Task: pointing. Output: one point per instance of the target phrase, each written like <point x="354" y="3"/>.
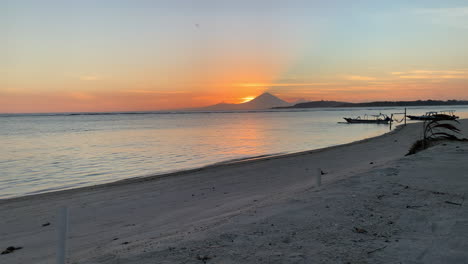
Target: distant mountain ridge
<point x="317" y="104"/>
<point x="264" y="101"/>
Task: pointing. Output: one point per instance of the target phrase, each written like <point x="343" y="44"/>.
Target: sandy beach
<point x="375" y="205"/>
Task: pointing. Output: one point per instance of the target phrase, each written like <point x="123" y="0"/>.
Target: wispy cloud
<point x="154" y="92"/>
<point x="432" y="74"/>
<point x="359" y="78"/>
<point x="429" y="76"/>
<point x="285" y="84"/>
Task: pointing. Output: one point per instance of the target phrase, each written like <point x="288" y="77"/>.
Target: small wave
<point x="249" y="158"/>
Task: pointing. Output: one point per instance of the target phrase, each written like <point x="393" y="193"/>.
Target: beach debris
<point x="377" y="249"/>
<point x="115" y="238"/>
<point x="10" y="249"/>
<point x="413" y="206"/>
<point x="360" y="230"/>
<point x="371" y="162"/>
<point x="46" y="224"/>
<point x="125" y="243"/>
<point x="449" y="202"/>
<point x="322" y="172"/>
<point x="204" y="258"/>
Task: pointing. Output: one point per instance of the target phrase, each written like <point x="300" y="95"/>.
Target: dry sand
<point x="375" y="206"/>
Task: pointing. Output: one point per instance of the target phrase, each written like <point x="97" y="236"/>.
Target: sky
<point x="82" y="56"/>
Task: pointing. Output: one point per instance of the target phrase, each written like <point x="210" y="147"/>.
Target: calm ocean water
<point x="43" y="153"/>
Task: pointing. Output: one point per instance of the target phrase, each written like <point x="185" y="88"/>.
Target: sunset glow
<point x="132" y="56"/>
<point x="247" y="99"/>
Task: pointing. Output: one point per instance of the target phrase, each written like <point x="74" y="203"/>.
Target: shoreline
<point x="177" y="173"/>
<point x="375" y="205"/>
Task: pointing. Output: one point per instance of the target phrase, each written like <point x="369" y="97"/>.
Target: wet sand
<point x="375" y="205"/>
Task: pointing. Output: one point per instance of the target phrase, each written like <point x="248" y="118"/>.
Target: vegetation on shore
<point x="435" y="132"/>
<point x="317" y="104"/>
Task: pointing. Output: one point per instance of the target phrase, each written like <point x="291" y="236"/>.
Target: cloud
<point x="284" y="84"/>
<point x="154" y="92"/>
<point x="359" y="78"/>
<point x="432" y="74"/>
<point x="432" y="77"/>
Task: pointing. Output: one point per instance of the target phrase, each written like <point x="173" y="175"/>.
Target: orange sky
<point x="99" y="94"/>
<point x="89" y="56"/>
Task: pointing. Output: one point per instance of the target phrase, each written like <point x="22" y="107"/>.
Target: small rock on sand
<point x="360" y="230"/>
<point x="10" y="249"/>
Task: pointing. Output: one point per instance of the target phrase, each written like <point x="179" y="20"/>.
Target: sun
<point x="247" y="99"/>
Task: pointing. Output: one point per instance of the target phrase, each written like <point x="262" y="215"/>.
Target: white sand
<point x="265" y="211"/>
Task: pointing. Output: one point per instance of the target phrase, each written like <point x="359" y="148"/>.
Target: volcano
<point x="263" y="101"/>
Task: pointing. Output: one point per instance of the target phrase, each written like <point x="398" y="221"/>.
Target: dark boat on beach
<point x="377" y="119"/>
<point x="442" y="115"/>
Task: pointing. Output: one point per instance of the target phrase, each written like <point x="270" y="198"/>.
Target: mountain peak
<point x="268" y="97"/>
<point x="263" y="101"/>
<point x="266" y="94"/>
<point x="266" y="100"/>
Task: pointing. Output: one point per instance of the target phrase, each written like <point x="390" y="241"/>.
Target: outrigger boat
<point x="441" y="115"/>
<point x="377" y="119"/>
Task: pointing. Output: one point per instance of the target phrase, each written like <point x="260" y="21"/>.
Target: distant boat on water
<point x="375" y="119"/>
<point x="441" y="115"/>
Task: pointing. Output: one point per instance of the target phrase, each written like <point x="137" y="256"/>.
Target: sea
<point x="48" y="152"/>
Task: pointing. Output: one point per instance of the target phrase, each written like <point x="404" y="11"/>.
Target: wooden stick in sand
<point x="319" y="177"/>
<point x="62" y="230"/>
